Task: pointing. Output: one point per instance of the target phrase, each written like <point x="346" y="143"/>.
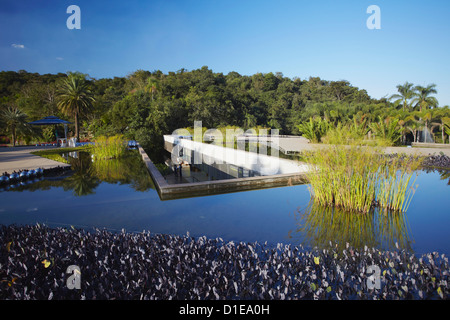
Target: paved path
<point x="292" y="144"/>
<point x="418" y="151"/>
<point x="20" y="158"/>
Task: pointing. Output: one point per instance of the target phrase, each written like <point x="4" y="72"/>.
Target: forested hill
<point x="160" y="103"/>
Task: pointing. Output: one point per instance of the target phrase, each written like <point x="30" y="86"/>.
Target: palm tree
<point x="418" y="122"/>
<point x="15" y="121"/>
<point x="403" y="129"/>
<point x="422" y="99"/>
<point x="445" y="174"/>
<point x="406" y="93"/>
<point x="447" y="131"/>
<point x="444" y="124"/>
<point x="75" y="97"/>
<point x="414" y="127"/>
<point x="413" y="123"/>
<point x="387" y="129"/>
<point x="315" y="129"/>
<point x="84" y="181"/>
<point x="426" y="117"/>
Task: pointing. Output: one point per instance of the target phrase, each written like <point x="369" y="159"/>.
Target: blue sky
<point x="324" y="38"/>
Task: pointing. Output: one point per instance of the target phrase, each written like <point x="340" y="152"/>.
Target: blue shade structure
<point x="52" y="120"/>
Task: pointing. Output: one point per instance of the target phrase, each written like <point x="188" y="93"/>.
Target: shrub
<point x="109" y="147"/>
<point x="314" y="129"/>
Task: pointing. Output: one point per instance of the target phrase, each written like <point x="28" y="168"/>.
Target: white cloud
<point x="18" y="46"/>
<point x="59" y="58"/>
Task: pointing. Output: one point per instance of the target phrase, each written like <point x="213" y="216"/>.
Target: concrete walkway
<point x="20" y="158"/>
<point x="415" y="151"/>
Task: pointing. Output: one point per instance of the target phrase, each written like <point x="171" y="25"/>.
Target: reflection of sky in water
<point x="261" y="215"/>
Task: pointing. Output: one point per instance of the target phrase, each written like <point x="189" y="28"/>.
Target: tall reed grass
<point x="109" y="147"/>
<point x="357" y="178"/>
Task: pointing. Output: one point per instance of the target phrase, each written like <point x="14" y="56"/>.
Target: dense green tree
<point x="138" y="80"/>
<point x="270" y="82"/>
<point x="152" y="86"/>
<point x="147" y="104"/>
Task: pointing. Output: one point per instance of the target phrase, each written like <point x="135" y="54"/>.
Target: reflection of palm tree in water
<point x="318" y="226"/>
<point x="88" y="175"/>
<point x="125" y="170"/>
<point x="83" y="181"/>
<point x="445" y="174"/>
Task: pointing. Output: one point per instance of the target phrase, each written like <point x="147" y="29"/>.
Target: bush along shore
<point x="34" y="261"/>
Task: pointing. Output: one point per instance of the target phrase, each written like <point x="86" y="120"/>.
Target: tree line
<point x="145" y="105"/>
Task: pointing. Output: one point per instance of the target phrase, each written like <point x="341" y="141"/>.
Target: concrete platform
<point x="168" y="191"/>
<point x="20" y="158"/>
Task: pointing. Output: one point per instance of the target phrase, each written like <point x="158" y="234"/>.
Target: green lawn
<point x="55" y="154"/>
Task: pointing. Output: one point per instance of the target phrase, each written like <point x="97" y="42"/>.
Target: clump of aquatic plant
<point x="356" y="178"/>
<point x="109" y="147"/>
<point x="394" y="189"/>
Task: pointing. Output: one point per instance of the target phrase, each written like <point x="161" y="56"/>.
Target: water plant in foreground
<point x="357" y="178"/>
<point x="146" y="266"/>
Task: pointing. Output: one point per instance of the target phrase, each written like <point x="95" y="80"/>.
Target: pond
<point x="120" y="194"/>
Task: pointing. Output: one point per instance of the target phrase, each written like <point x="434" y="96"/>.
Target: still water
<point x="120" y="195"/>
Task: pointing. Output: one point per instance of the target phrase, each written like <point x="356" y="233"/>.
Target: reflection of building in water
<point x="225" y="171"/>
<point x="70" y="155"/>
<point x="206" y="172"/>
<point x="206" y="162"/>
